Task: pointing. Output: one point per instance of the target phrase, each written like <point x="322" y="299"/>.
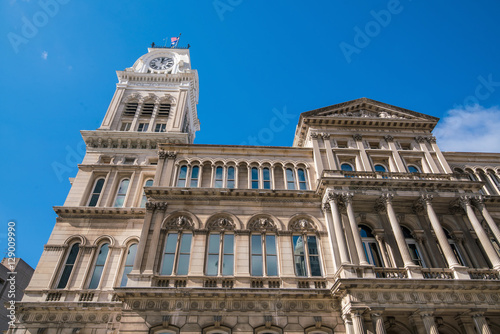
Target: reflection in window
<point x="220" y="254"/>
<point x="219" y="177"/>
<point x="122" y="193"/>
<point x="195" y="174"/>
<point x="94" y="197"/>
<point x="264" y="259"/>
<point x="302" y="179"/>
<point x="144" y="199"/>
<point x="266" y="177"/>
<point x="176" y="254"/>
<point x="306" y="255"/>
<point x="290" y="179"/>
<point x="99" y="266"/>
<point x="181" y="180"/>
<point x="129" y="264"/>
<point x="415" y="252"/>
<point x="370" y="246"/>
<point x="68" y="266"/>
<point x="255" y="178"/>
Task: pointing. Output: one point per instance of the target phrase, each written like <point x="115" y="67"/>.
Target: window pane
<point x="315" y="267"/>
<point x="312" y="246"/>
<point x="346" y="167"/>
<point x="212" y="264"/>
<point x="227" y="265"/>
<point x="256" y="244"/>
<point x="380" y="168"/>
<point x="298" y="245"/>
<point x="93" y="200"/>
<point x="65" y="276"/>
<point x="255" y="173"/>
<point x="218" y="184"/>
<point x="98" y="186"/>
<point x="126" y="271"/>
<point x="266" y="174"/>
<point x="218" y="173"/>
<point x="256" y="265"/>
<point x="255" y="184"/>
<point x="375" y="254"/>
<point x="229" y="244"/>
<point x="413" y="169"/>
<point x="171" y="243"/>
<point x="302" y="175"/>
<point x="73" y="253"/>
<point x="168" y="264"/>
<point x="181" y="183"/>
<point x="230" y="173"/>
<point x="119" y="201"/>
<point x="300" y="265"/>
<point x="149" y="183"/>
<point x="290" y="181"/>
<point x="96" y="277"/>
<point x="267" y="185"/>
<point x="183" y="266"/>
<point x="270" y="245"/>
<point x="230" y="184"/>
<point x="213" y="244"/>
<point x="132" y="250"/>
<point x="103" y="253"/>
<point x="186" y="243"/>
<point x="272" y="265"/>
<point x="123" y="186"/>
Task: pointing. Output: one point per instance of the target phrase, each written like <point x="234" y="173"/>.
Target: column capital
<point x="465" y="200"/>
<point x="382" y="201"/>
<point x="455" y="207"/>
<point x="162" y="154"/>
<point x="357" y="137"/>
<point x="431" y="139"/>
<point x="347" y="197"/>
<point x="150" y="206"/>
<point x="325" y="206"/>
<point x="379" y="237"/>
<point x="420" y="139"/>
<point x="161" y="206"/>
<point x="478" y="201"/>
<point x="314" y="135"/>
<point x="426" y="198"/>
<point x="389" y="138"/>
<point x="325" y="135"/>
<point x="333" y="197"/>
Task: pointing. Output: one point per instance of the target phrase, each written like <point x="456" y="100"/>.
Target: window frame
<point x="367" y="242"/>
<point x="185" y="178"/>
<point x="142" y="127"/>
<point x="347" y="164"/>
<point x="419" y="259"/>
<point x="95" y="265"/>
<point x="125" y="126"/>
<point x="177" y="254"/>
<point x="124" y="272"/>
<point x="418" y="170"/>
<point x="307" y="256"/>
<point x="78" y="244"/>
<point x="264" y="254"/>
<point x="221" y="253"/>
<point x="125" y="195"/>
<point x="93" y="191"/>
<point x="196" y="179"/>
<point x="293" y="178"/>
<point x="254" y="179"/>
<point x="144" y="198"/>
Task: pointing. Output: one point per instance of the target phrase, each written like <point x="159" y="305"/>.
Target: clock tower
<point x="155" y="101"/>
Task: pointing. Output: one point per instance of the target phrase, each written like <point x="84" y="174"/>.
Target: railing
<point x="484" y="274"/>
<point x="434" y="273"/>
<point x="391" y="273"/>
<point x="53" y="297"/>
<point x="86" y="296"/>
<point x="389" y="175"/>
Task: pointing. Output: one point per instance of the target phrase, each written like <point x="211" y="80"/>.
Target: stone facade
<point x="362" y="226"/>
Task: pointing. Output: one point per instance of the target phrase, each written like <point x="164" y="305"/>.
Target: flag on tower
<point x="174" y="41"/>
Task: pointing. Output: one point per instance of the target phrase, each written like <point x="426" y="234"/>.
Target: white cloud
<point x="470" y="129"/>
<point x="45" y="54"/>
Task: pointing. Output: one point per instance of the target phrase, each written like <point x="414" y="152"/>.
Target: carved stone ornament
<point x="221" y="224"/>
<point x="150" y="206"/>
<point x="325" y="135"/>
<point x="455" y="207"/>
<point x="431" y="139"/>
<point x="314" y="135"/>
<point x="420" y="139"/>
<point x="180" y="223"/>
<point x="389" y="138"/>
<point x="162" y="154"/>
<point x="262" y="225"/>
<point x="161" y="206"/>
<point x="302" y="225"/>
<point x="326" y="206"/>
<point x="357" y="137"/>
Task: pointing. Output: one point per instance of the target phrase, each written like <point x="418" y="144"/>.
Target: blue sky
<point x="256" y="59"/>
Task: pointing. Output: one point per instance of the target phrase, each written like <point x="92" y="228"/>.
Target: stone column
<point x="331" y="236"/>
<point x="316" y="154"/>
<point x="159" y="168"/>
<point x="358" y="325"/>
<point x="378" y="322"/>
<point x="347" y="198"/>
<point x="479" y="203"/>
<point x="441" y="236"/>
<point x="348" y="324"/>
<point x="428" y="157"/>
<point x="273" y="179"/>
<point x="386" y="199"/>
<point x="332" y="163"/>
<point x="481" y="324"/>
<point x="465" y="202"/>
<point x="383" y="250"/>
<point x="440" y="156"/>
<point x="395" y="154"/>
<point x="337" y="225"/>
<point x="150" y="207"/>
<point x="419" y="238"/>
<point x="364" y="157"/>
<point x="429" y="323"/>
<point x="465" y="323"/>
<point x="155" y="238"/>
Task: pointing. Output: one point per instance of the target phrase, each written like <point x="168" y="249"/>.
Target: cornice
<point x="96" y="212"/>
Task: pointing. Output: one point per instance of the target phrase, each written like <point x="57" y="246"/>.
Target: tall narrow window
<point x="487" y="183"/>
<point x="143" y="127"/>
<point x="370" y="246"/>
<point x="220" y="254"/>
<point x="130" y="109"/>
<point x="181" y="180"/>
<point x="306" y="255"/>
<point x="415" y="252"/>
<point x="219" y="177"/>
<point x="129" y="264"/>
<point x="122" y="193"/>
<point x="99" y="266"/>
<point x="255" y="178"/>
<point x="454" y="248"/>
<point x="266" y="178"/>
<point x="230" y="177"/>
<point x="144" y="199"/>
<point x="176" y="254"/>
<point x="290" y="179"/>
<point x="68" y="266"/>
<point x="195" y="172"/>
<point x="302" y="179"/>
<point x="264" y="259"/>
<point x="94" y="197"/>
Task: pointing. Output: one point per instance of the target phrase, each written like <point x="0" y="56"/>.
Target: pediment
<point x="367" y="108"/>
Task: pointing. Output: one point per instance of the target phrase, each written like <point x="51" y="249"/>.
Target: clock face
<point x="161" y="63"/>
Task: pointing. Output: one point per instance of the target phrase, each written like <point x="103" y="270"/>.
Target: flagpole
<point x="178" y="39"/>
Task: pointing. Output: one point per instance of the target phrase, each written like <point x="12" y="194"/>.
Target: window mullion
<point x="306" y="255"/>
<point x="177" y="253"/>
<point x="264" y="255"/>
<point x="221" y="254"/>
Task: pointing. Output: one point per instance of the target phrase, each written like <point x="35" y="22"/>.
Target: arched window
<point x="181" y="180"/>
<point x="68" y="266"/>
<point x="219" y="177"/>
<point x="346" y="167"/>
<point x="195" y="174"/>
<point x="454" y="248"/>
<point x="176" y="254"/>
<point x="301" y="174"/>
<point x="96" y="192"/>
<point x="494" y="177"/>
<point x="471" y="174"/>
<point x="144" y="199"/>
<point x="122" y="193"/>
<point x="415" y="252"/>
<point x="220" y="254"/>
<point x="230" y="177"/>
<point x="487" y="183"/>
<point x="370" y="246"/>
<point x="255" y="178"/>
<point x="129" y="264"/>
<point x="264" y="257"/>
<point x="266" y="177"/>
<point x="306" y="255"/>
<point x="413" y="169"/>
<point x="99" y="266"/>
<point x="290" y="179"/>
<point x="380" y="168"/>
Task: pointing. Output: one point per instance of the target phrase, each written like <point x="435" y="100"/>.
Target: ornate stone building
<point x="362" y="226"/>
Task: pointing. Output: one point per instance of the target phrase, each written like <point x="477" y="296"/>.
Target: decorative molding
<point x="357" y="137"/>
<point x="179" y="223"/>
<point x="262" y="224"/>
<point x="302" y="225"/>
<point x="221" y="224"/>
<point x="389" y="138"/>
